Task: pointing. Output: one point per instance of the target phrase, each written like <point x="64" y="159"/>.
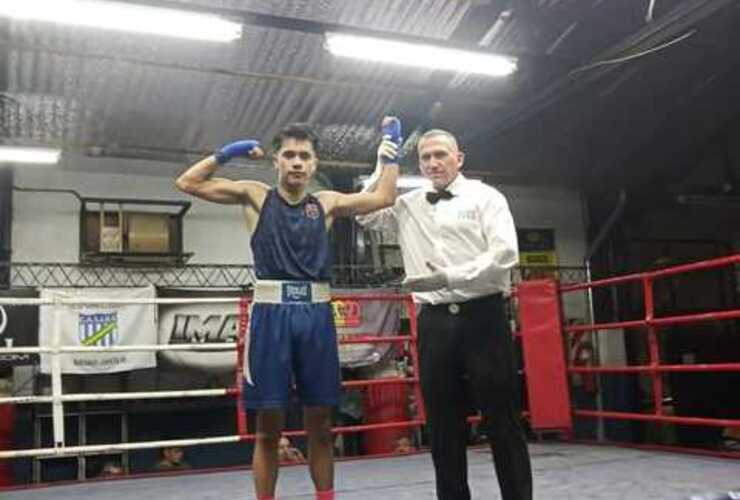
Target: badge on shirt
<point x="311" y="210"/>
<point x="471" y="215"/>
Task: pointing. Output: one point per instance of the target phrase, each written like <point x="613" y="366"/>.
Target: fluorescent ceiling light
<point x="11" y="154"/>
<point x="418" y="55"/>
<point x="124" y="17"/>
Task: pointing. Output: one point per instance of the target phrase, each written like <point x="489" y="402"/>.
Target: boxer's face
<point x="439" y="160"/>
<point x="295" y="162"/>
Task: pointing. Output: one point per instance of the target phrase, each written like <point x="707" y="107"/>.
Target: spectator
<point x="173" y="458"/>
<point x="112" y="469"/>
<point x="403" y="446"/>
<point x="287" y="453"/>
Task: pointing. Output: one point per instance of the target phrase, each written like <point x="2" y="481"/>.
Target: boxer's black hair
<point x="299" y="131"/>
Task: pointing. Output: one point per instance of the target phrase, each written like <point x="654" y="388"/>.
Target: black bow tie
<point x="434" y="196"/>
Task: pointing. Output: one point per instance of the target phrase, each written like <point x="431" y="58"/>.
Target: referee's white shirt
<point x="471" y="236"/>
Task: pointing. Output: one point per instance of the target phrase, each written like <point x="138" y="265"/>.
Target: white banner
<point x="100" y="325"/>
<point x="197" y="324"/>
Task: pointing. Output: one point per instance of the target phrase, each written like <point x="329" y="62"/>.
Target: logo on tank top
<point x="311" y="210"/>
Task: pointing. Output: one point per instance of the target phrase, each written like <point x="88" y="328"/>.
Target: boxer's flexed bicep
<point x="198" y="180"/>
<point x="224" y="191"/>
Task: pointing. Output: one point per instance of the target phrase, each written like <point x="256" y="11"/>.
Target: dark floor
<point x="561" y="471"/>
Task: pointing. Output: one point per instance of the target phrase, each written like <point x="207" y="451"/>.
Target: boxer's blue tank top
<point x="291" y="242"/>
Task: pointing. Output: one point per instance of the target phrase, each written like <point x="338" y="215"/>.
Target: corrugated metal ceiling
<point x="86" y="88"/>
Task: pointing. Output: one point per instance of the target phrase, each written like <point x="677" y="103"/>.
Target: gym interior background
<point x="615" y="142"/>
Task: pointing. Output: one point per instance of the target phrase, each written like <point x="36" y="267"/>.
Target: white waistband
<point x="291" y="292"/>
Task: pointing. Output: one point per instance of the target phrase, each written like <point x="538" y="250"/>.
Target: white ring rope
<point x="57" y="398"/>
<point x="117" y="396"/>
<point x="103" y="449"/>
<point x="220" y="346"/>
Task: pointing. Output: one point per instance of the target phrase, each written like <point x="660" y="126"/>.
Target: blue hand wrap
<point x="392" y="132"/>
<point x="238" y="148"/>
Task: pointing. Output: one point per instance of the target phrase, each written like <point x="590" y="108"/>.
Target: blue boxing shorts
<point x="292" y="340"/>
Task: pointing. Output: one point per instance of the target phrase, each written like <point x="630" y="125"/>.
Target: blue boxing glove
<point x="248" y="148"/>
<point x="392" y="132"/>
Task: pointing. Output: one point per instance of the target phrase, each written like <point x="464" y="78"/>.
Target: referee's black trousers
<point x="466" y="354"/>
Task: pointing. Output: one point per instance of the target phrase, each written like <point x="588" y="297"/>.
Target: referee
<point x="459" y="244"/>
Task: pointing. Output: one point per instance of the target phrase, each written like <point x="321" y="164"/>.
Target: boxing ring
<point x="57" y="398"/>
<point x="653" y="326"/>
<point x="562" y="469"/>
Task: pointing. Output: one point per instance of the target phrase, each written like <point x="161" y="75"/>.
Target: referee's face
<point x="440" y="160"/>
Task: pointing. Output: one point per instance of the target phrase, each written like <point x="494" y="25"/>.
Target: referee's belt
<point x="291" y="292"/>
<point x="476" y="304"/>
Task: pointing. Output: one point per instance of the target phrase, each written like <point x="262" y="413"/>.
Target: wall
<point x="551" y="207"/>
<point x="560" y="209"/>
<point x="44" y="218"/>
<point x="46" y="225"/>
<point x="698" y="197"/>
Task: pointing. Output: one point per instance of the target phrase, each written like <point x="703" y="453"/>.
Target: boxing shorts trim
<point x="291" y="292"/>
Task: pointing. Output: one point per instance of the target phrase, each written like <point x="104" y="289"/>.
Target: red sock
<point x="265" y="498"/>
<point x="325" y="495"/>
